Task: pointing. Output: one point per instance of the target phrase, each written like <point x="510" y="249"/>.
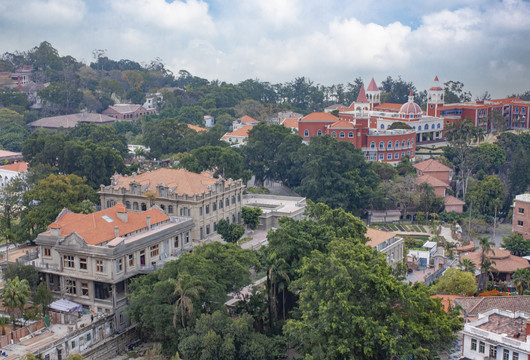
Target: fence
<point x="16" y="335"/>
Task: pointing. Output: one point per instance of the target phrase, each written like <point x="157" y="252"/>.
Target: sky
<point x="483" y="43"/>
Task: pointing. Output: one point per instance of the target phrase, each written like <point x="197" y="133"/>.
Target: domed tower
<point x="373" y="94"/>
<point x="435" y="98"/>
<point x="410" y="110"/>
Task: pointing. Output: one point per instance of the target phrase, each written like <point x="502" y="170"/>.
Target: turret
<point x="435" y="98"/>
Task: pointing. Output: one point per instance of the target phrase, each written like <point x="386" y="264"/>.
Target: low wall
<point x="111" y="347"/>
<point x="20" y="333"/>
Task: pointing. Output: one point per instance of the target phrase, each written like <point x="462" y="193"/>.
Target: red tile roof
<point x="377" y="236"/>
<point x="320" y="116"/>
<point x="451" y="200"/>
<point x="431" y="180"/>
<point x="342" y="124"/>
<point x="18" y="167"/>
<point x="388" y="107"/>
<point x="372" y="86"/>
<point x="478" y="305"/>
<point x="290" y="123"/>
<point x="179" y="181"/>
<point x="431" y="165"/>
<point x="361" y="98"/>
<point x="504" y="261"/>
<point x="98" y="227"/>
<point x="245" y="119"/>
<point x="196" y="128"/>
<point x="242" y="132"/>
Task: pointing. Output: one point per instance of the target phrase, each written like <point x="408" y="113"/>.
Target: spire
<point x="372" y="86"/>
<point x="411" y="96"/>
<point x="362" y="95"/>
<point x="436" y="78"/>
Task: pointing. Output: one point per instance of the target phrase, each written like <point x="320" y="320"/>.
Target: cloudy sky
<point x="483" y="43"/>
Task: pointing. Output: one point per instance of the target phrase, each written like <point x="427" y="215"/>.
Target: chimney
<point x="121" y="213"/>
<point x="55" y="229"/>
<point x="148" y="219"/>
<point x="116" y="231"/>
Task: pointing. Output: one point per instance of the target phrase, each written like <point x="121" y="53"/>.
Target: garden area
<point x="400" y="227"/>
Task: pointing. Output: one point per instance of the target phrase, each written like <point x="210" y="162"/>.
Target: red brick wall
<point x="524" y="217"/>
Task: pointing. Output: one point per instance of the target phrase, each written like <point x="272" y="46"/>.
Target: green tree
<point x="516" y="244"/>
<point x="521" y="280"/>
<point x="487" y="157"/>
<point x="467" y="265"/>
<point x="399" y="125"/>
<point x="456" y="282"/>
<point x="23" y="272"/>
<point x="251" y="216"/>
<point x="8" y="117"/>
<point x="75" y="356"/>
<point x="15" y="294"/>
<point x="352" y="307"/>
<point x="486" y="265"/>
<point x="405" y="167"/>
<point x="385" y="171"/>
<point x="230" y="233"/>
<point x="43" y="297"/>
<point x="3" y="322"/>
<point x="187" y="289"/>
<point x="486" y="194"/>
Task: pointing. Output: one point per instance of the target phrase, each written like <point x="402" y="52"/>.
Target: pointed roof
<point x="362" y="95"/>
<point x="320" y="116"/>
<point x="451" y="200"/>
<point x="431" y="180"/>
<point x="372" y="86"/>
<point x="436" y="78"/>
<point x="431" y="165"/>
<point x="342" y="124"/>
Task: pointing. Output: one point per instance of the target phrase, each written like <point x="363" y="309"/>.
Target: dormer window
<point x="162" y="192"/>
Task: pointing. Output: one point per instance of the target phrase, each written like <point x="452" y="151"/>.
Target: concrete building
<point x="127" y="112"/>
<point x="90" y="258"/>
<point x="237" y="137"/>
<point x="497" y="334"/>
<point x="11" y="171"/>
<point x="243" y="121"/>
<point x="179" y="193"/>
<point x="275" y="207"/>
<point x="388" y="243"/>
<point x="521" y="215"/>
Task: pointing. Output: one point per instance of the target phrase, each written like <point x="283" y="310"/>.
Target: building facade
<point x="128" y="112"/>
<point x="388" y="243"/>
<point x="201" y="197"/>
<point x="274" y="207"/>
<point x="90" y="258"/>
<point x="521" y="215"/>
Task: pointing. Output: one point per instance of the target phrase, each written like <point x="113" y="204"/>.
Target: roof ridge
<point x="470" y="311"/>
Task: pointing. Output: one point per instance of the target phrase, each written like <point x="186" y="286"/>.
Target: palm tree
<point x="275" y="275"/>
<point x="15" y="294"/>
<point x="521" y="280"/>
<point x="3" y="323"/>
<point x="485" y="263"/>
<point x="467" y="265"/>
<point x="187" y="290"/>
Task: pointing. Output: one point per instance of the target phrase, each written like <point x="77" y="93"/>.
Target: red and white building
<point x="521" y="215"/>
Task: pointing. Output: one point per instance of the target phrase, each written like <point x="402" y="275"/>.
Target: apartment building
<point x="90" y="258"/>
<point x="521" y="215"/>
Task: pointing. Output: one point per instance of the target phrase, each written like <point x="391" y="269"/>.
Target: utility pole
<point x="469" y="227"/>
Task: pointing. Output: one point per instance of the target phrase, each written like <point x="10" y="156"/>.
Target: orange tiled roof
<point x="320" y="116"/>
<point x="18" y="167"/>
<point x="5" y="153"/>
<point x="239" y="132"/>
<point x="342" y="124"/>
<point x="372" y="86"/>
<point x="98" y="227"/>
<point x="388" y="106"/>
<point x="431" y="165"/>
<point x="290" y="123"/>
<point x="377" y="236"/>
<point x="504" y="261"/>
<point x="451" y="200"/>
<point x="361" y="98"/>
<point x="431" y="180"/>
<point x="245" y="119"/>
<point x="447" y="301"/>
<point x="179" y="181"/>
<point x="196" y="128"/>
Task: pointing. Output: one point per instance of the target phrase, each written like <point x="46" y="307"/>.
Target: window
<point x="389" y="156"/>
<point x="73" y="344"/>
<point x="381" y="157"/>
<point x="187" y="240"/>
<point x="200" y="211"/>
<point x="396" y="156"/>
<point x="389" y="145"/>
<point x="135" y="206"/>
<point x="154" y="250"/>
<point x="221" y="204"/>
<point x="233" y="218"/>
<point x="162" y="192"/>
<point x="306" y="133"/>
<point x="88" y="337"/>
<point x="493" y="351"/>
<point x="214" y="226"/>
<point x="350" y="134"/>
<point x="207" y="229"/>
<point x="515" y="356"/>
<point x="233" y="199"/>
<point x="319" y="132"/>
<point x="128" y="205"/>
<point x="396" y="144"/>
<point x="341" y="134"/>
<point x="432" y="126"/>
<point x="84" y="289"/>
<point x="408" y="142"/>
<point x="99" y="266"/>
<point x="382" y="126"/>
<point x="200" y="233"/>
<point x="521" y="210"/>
<point x="334" y="134"/>
<point x="520" y="223"/>
<point x="47" y="252"/>
<point x="474" y="344"/>
<point x="506" y="354"/>
<point x="131" y="260"/>
<point x="176" y="243"/>
<point x="412" y="154"/>
<point x="227" y="202"/>
<point x="170" y="209"/>
<point x="69" y="261"/>
<point x="381" y="145"/>
<point x="214" y="206"/>
<point x="481" y="347"/>
<point x="372" y="145"/>
<point x="71" y="287"/>
<point x="403" y="143"/>
<point x="438" y="125"/>
<point x="402" y="154"/>
<point x="82" y="264"/>
<point x="419" y="128"/>
<point x="238" y="197"/>
<point x="207" y="209"/>
<point x="119" y="265"/>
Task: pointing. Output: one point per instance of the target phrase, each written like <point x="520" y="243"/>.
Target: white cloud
<point x="57" y="13"/>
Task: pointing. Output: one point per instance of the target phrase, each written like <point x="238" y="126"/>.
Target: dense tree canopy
<point x="457" y="282"/>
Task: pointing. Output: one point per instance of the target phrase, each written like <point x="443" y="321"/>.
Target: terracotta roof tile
<point x="361" y="98"/>
<point x="431" y="180"/>
<point x="388" y="107"/>
<point x="290" y="123"/>
<point x="342" y="124"/>
<point x="372" y="86"/>
<point x="504" y="261"/>
<point x="98" y="227"/>
<point x="320" y="116"/>
<point x="179" y="181"/>
<point x="451" y="200"/>
<point x="245" y="119"/>
<point x="377" y="236"/>
<point x="20" y="166"/>
<point x="196" y="128"/>
<point x="431" y="165"/>
<point x="477" y="305"/>
<point x="239" y="132"/>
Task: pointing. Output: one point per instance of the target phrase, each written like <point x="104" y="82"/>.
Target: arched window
<point x="372" y="145"/>
<point x="128" y="204"/>
<point x="163" y="207"/>
<point x="341" y="134"/>
<point x="382" y="126"/>
<point x="403" y="143"/>
<point x="306" y="133"/>
<point x="408" y="142"/>
<point x="432" y="126"/>
<point x="334" y="134"/>
<point x="438" y="125"/>
<point x="135" y="206"/>
<point x="389" y="145"/>
<point x="397" y="144"/>
<point x="396" y="156"/>
<point x="170" y="209"/>
<point x="350" y="134"/>
<point x="419" y="128"/>
<point x="381" y="145"/>
<point x="144" y="207"/>
<point x="319" y="132"/>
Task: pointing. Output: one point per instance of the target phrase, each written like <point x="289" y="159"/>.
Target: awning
<point x="64" y="305"/>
